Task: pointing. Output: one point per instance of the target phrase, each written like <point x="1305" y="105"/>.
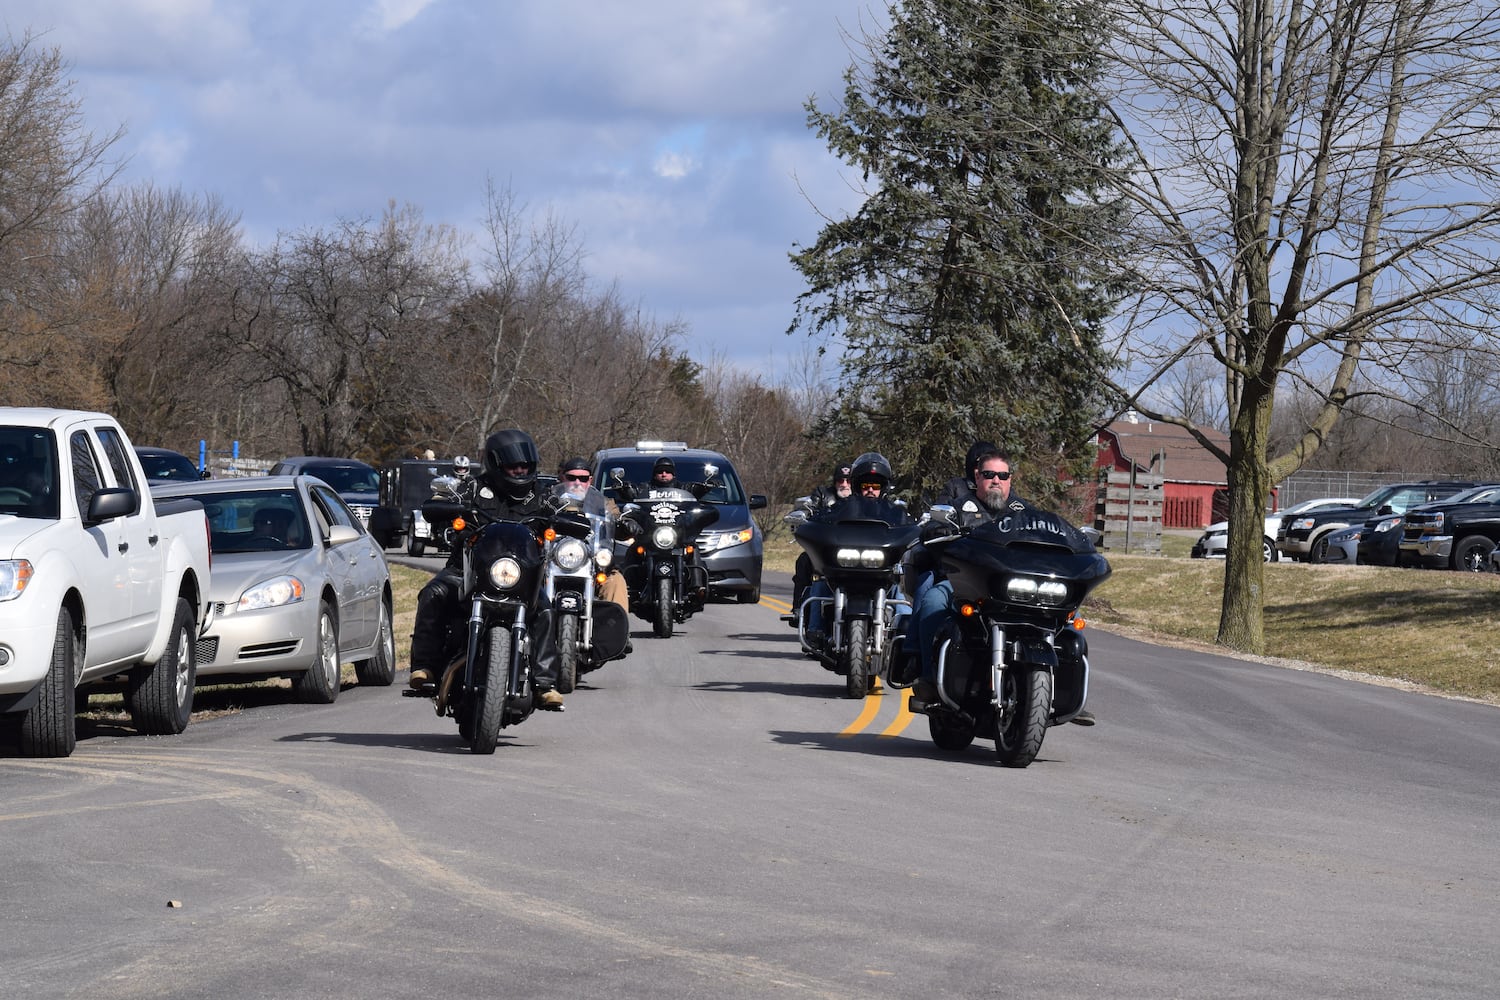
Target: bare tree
<point x="1316" y="190"/>
<point x="49" y="166"/>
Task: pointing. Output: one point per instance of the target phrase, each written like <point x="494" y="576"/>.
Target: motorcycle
<point x="1013" y="661"/>
<point x="856" y="547"/>
<point x="488" y="683"/>
<point x="579" y="551"/>
<point x="667" y="579"/>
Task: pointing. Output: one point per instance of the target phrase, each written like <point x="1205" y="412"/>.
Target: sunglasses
<point x="842" y="479"/>
<point x="992" y="474"/>
<point x="573" y="478"/>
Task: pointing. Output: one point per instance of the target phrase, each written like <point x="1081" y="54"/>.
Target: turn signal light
<point x="458" y="524"/>
<point x="689" y="550"/>
<point x="967" y="610"/>
<point x="599" y="579"/>
<point x="1079" y="624"/>
<point x="640" y="550"/>
<point x="550" y="534"/>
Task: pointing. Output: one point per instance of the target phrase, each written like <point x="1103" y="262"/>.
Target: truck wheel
<point x="416" y="546"/>
<point x="160" y="695"/>
<point x="1268" y="550"/>
<point x="319" y="683"/>
<point x="1472" y="554"/>
<point x="380" y="669"/>
<point x="48" y="728"/>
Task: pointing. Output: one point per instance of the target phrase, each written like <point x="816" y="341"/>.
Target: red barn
<point x="1194" y="488"/>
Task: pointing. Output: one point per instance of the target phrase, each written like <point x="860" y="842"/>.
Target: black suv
<point x="1305" y="536"/>
<point x="1472" y="518"/>
<point x="731" y="547"/>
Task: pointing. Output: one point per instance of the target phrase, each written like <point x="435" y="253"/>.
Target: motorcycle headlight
<point x="1025" y="590"/>
<point x="664" y="536"/>
<point x="603" y="558"/>
<point x="14" y="575"/>
<point x="872" y="558"/>
<point x="271" y="594"/>
<point x="570" y="554"/>
<point x="847" y="557"/>
<point x="505" y="573"/>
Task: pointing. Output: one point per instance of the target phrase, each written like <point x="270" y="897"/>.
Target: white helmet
<point x="461" y="466"/>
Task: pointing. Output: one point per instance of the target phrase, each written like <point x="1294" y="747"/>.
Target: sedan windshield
<point x="347" y="478"/>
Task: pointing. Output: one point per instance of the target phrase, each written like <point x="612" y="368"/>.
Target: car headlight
<point x="717" y="540"/>
<point x="14" y="575"/>
<point x="570" y="554"/>
<point x="1301" y="524"/>
<point x="1388" y="524"/>
<point x="664" y="536"/>
<point x="272" y="594"/>
<point x="505" y="573"/>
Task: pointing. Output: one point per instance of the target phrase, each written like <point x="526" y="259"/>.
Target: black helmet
<point x="510" y="447"/>
<point x="871" y="467"/>
<point x="664" y="463"/>
<point x="840" y="471"/>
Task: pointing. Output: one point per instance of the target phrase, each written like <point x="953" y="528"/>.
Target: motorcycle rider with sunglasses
<point x="984" y="495"/>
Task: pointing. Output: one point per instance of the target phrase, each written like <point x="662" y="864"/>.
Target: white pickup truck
<point x="100" y="587"/>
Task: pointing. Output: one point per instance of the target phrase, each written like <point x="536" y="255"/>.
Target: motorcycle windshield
<point x="864" y="510"/>
<point x="1033" y="527"/>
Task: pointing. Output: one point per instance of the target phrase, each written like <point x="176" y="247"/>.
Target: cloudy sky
<point x="671" y="133"/>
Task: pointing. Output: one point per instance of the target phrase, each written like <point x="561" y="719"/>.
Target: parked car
<point x="1380" y="540"/>
<point x="102" y="586"/>
<point x="356" y="482"/>
<point x="732" y="547"/>
<point x="299" y="587"/>
<point x="162" y="465"/>
<point x="1305" y="536"/>
<point x="1214" y="541"/>
<point x="1459" y="533"/>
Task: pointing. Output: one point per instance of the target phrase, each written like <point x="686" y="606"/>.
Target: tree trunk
<point x="1242" y="616"/>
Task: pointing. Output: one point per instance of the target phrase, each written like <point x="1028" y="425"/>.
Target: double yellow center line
<point x="872" y="703"/>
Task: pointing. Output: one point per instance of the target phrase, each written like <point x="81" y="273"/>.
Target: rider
<point x="663" y="477"/>
<point x="820" y="499"/>
<point x="575" y="479"/>
<point x="463" y="473"/>
<point x="871" y="477"/>
<point x="984" y="497"/>
<point x="506" y="490"/>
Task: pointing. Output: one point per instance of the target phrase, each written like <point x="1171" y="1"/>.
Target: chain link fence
<point x="1311" y="484"/>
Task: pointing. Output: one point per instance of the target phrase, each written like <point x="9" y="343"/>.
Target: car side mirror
<point x="111" y="502"/>
<point x="339" y="534"/>
<point x="757" y="501"/>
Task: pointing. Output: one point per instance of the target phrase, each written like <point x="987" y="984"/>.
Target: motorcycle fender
<point x="1031" y="653"/>
<point x="859" y="606"/>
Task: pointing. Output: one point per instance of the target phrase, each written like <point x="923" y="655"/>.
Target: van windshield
<point x="689" y="470"/>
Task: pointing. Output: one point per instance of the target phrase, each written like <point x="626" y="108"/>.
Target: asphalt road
<point x="710" y="818"/>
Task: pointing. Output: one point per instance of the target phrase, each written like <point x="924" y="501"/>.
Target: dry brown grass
<point x="1432" y="628"/>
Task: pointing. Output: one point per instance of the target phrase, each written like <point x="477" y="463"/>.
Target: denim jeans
<point x="933" y="610"/>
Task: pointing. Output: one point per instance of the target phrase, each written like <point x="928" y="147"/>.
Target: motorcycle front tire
<point x="662" y="623"/>
<point x="489" y="700"/>
<point x="856" y="659"/>
<point x="1018" y="739"/>
<point x="567" y="653"/>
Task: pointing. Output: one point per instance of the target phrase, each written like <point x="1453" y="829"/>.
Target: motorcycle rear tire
<point x="489" y="700"/>
<point x="567" y="653"/>
<point x="856" y="657"/>
<point x="662" y="622"/>
<point x="1018" y="739"/>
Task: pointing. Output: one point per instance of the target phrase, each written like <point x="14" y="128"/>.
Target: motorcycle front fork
<point x="519" y="640"/>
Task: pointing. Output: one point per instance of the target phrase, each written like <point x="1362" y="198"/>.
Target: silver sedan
<point x="298" y="586"/>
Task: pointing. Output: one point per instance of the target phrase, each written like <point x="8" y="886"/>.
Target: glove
<point x="627" y="527"/>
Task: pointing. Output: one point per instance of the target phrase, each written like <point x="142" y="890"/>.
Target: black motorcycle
<point x="590" y="632"/>
<point x="1013" y="661"/>
<point x="488" y="683"/>
<point x="856" y="547"/>
<point x="666" y="576"/>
